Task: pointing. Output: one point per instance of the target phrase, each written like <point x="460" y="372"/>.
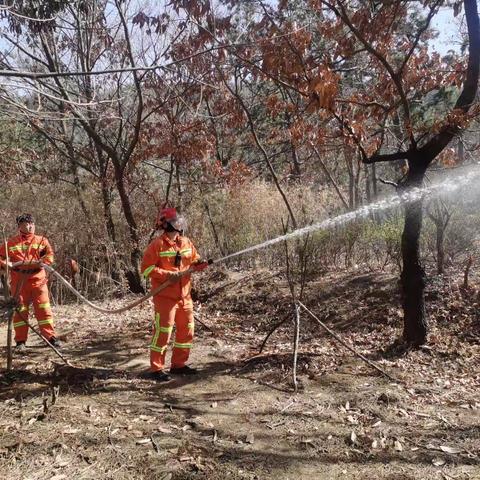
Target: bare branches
<point x="265" y="155"/>
<point x="161" y="66"/>
<point x="420" y="32"/>
<point x="395" y="76"/>
<point x="329" y="176"/>
<point x="138" y="87"/>
<point x="467" y="97"/>
<point x="387" y="157"/>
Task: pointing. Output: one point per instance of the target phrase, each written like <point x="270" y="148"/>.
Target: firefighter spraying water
<point x="171" y="257"/>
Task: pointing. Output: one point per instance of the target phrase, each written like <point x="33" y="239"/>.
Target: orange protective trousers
<point x="168" y="313"/>
<point x="38" y="296"/>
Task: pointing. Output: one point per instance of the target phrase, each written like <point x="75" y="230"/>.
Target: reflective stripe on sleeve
<point x="148" y="271"/>
<point x="167" y="254"/>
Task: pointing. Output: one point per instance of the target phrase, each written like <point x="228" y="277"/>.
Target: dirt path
<point x="234" y="420"/>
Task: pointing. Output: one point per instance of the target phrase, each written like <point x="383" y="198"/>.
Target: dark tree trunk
<point x="179" y="187"/>
<point x="374" y="181"/>
<point x="103" y="162"/>
<point x="413" y="274"/>
<point x="440" y="216"/>
<point x="296" y="170"/>
<point x="460" y="150"/>
<point x="440" y="248"/>
<point x="351" y="184"/>
<point x="132" y="274"/>
<point x="368" y="192"/>
<point x="107" y="213"/>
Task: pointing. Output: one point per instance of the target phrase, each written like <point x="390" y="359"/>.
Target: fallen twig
<point x="154" y="443"/>
<point x="359" y="355"/>
<point x="47" y="342"/>
<point x="277" y="325"/>
<point x="203" y="324"/>
<point x="110" y="438"/>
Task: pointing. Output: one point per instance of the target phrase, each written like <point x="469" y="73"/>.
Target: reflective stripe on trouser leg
<point x="19" y="323"/>
<point x="183" y="337"/>
<point x="162" y="329"/>
<point x="22" y="291"/>
<point x="20" y="317"/>
<point x="43" y="311"/>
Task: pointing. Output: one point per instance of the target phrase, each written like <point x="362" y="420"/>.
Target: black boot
<point x="161" y="376"/>
<point x="56" y="343"/>
<point x="185" y="370"/>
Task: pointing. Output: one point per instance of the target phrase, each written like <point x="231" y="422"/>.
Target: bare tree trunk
<point x="76" y="179"/>
<point x="440" y="217"/>
<point x="374" y="181"/>
<point x="179" y="186"/>
<point x="170" y="178"/>
<point x="460" y="150"/>
<point x="214" y="229"/>
<point x="357" y="174"/>
<point x="413" y="274"/>
<point x="133" y="274"/>
<point x="329" y="176"/>
<point x="368" y="192"/>
<point x="351" y="179"/>
<point x="440" y="248"/>
<point x="297" y="172"/>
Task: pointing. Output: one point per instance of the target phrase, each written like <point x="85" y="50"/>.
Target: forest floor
<point x="239" y="417"/>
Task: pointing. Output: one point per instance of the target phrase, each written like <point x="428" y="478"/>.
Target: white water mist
<point x="408" y="196"/>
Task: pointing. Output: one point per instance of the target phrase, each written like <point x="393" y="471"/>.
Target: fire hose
<point x="12" y="304"/>
<point x="134" y="304"/>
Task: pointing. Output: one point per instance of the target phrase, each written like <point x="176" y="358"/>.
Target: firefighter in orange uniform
<point x="29" y="281"/>
<point x="165" y="258"/>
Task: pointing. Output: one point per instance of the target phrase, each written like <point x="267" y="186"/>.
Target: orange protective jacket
<point x="27" y="247"/>
<point x="159" y="260"/>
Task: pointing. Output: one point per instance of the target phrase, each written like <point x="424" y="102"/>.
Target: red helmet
<point x="166" y="215"/>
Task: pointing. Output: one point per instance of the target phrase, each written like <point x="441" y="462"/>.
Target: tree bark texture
<point x="413" y="275"/>
<point x="440" y="249"/>
<point x="132" y="274"/>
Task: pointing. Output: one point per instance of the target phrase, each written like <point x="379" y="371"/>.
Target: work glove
<point x="199" y="267"/>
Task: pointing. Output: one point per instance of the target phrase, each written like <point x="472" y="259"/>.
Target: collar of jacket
<point x="172" y="243"/>
<point x="26" y="236"/>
